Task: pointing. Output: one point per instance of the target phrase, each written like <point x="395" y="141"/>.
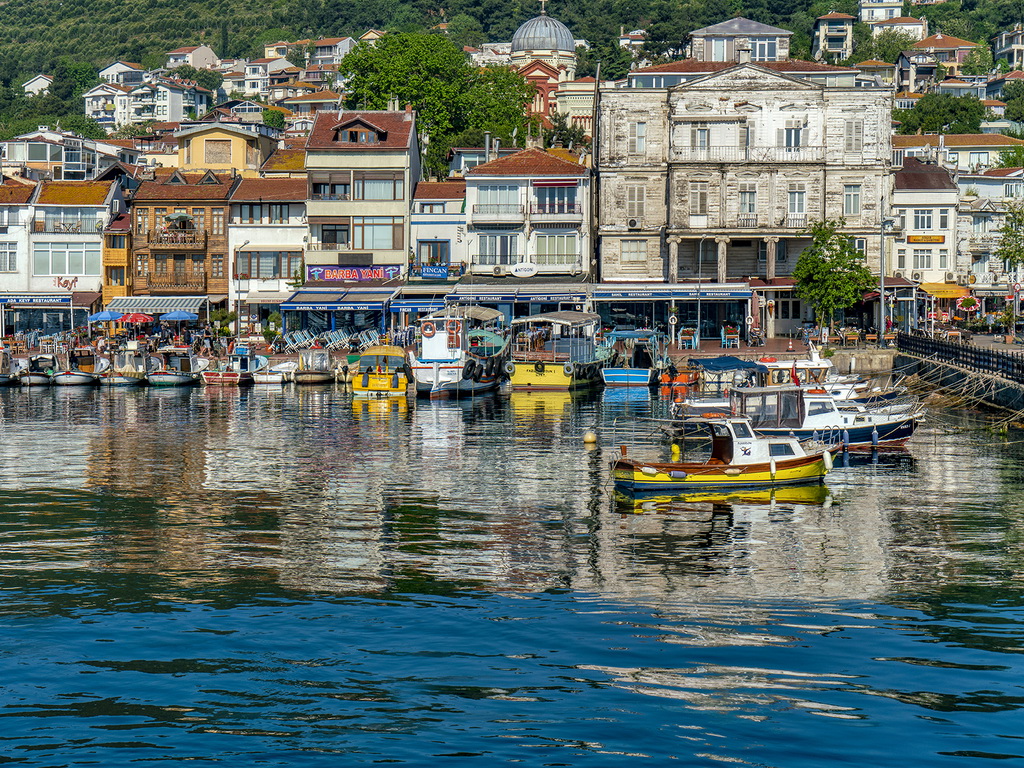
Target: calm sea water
<point x="293" y="578"/>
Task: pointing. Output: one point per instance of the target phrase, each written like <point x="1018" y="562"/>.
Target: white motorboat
<point x="38" y="370"/>
<point x="180" y="369"/>
<point x="314" y="367"/>
<point x="84" y="368"/>
<point x="456" y="359"/>
<point x="276" y="374"/>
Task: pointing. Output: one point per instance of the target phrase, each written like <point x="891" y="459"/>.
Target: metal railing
<point x="328" y="247"/>
<point x="731" y="154"/>
<point x="77" y="227"/>
<point x="329" y="196"/>
<point x="503" y="210"/>
<point x="746" y="221"/>
<point x="556" y="209"/>
<point x="1009" y="365"/>
<point x="188" y="238"/>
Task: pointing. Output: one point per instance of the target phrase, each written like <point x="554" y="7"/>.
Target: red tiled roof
<point x="11" y="194"/>
<point x="397" y="125"/>
<point x="529" y="162"/>
<point x="160" y="190"/>
<point x="941" y="41"/>
<point x="1001" y="171"/>
<point x="993" y="103"/>
<point x="121" y="223"/>
<point x="957" y="140"/>
<point x="835" y="15"/>
<point x="440" y="190"/>
<point x="695" y="66"/>
<point x="897" y="20"/>
<point x="186" y="49"/>
<point x="329" y="41"/>
<point x="73" y="192"/>
<point x="270" y="189"/>
<point x="875" y="63"/>
<point x="315" y="96"/>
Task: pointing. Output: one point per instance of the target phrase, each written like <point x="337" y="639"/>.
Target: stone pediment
<point x="745" y="77"/>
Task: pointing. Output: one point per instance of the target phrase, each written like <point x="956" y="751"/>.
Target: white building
<point x="966" y="152"/>
<point x="330" y="51"/>
<point x="123" y="73"/>
<point x="101" y="103"/>
<point x="37" y="85"/>
<point x="880" y="10"/>
<point x="439" y="232"/>
<point x="267" y="233"/>
<point x="163" y="101"/>
<point x="1009" y="45"/>
<point x="833" y="36"/>
<point x="198" y="56"/>
<point x="258" y="72"/>
<point x="530" y="208"/>
<point x="984" y="198"/>
<point x="926" y="246"/>
<point x="727" y="40"/>
<point x="916" y="28"/>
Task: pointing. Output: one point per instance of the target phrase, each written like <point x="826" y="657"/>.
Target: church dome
<point x="542" y="33"/>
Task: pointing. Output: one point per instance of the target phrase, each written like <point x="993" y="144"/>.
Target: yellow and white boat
<point x="738" y="459"/>
<point x="382" y="372"/>
<point x="555" y="351"/>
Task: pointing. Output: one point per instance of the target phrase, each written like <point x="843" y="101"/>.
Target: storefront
<point x="48" y="314"/>
<point x="318" y="311"/>
<point x="523" y="300"/>
<point x="710" y="308"/>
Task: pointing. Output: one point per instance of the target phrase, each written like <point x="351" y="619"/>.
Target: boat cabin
<point x="640" y="349"/>
<point x="770" y="407"/>
<point x="382" y="359"/>
<point x="733" y="442"/>
<point x="564" y="336"/>
<point x="446" y="334"/>
<point x="314" y="360"/>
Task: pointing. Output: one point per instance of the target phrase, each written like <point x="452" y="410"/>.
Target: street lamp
<point x="887" y="224"/>
<point x="700" y="283"/>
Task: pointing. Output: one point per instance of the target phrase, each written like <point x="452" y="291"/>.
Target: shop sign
<point x="926" y="239"/>
<point x="332" y="273"/>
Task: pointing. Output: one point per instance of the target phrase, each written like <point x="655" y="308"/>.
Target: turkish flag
<point x="792" y="374"/>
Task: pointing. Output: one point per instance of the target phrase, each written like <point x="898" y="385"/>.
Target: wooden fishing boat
<point x="814" y="494"/>
<point x="739" y="458"/>
<point x="555" y="350"/>
<point x="237" y="371"/>
<point x="276" y="375"/>
<point x="129" y="368"/>
<point x="455" y="358"/>
<point x="382" y="372"/>
<point x="180" y="369"/>
<point x="639" y="357"/>
<point x="86" y="370"/>
<point x="8" y="370"/>
<point x="314" y="367"/>
<point x="38" y="371"/>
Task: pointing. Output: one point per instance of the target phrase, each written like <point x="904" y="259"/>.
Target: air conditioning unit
<point x="634" y="224"/>
<point x="916" y="276"/>
<point x="498" y="271"/>
<point x="898" y="273"/>
<point x="950" y="277"/>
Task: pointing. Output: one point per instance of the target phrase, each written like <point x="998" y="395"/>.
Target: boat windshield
<point x="380" y="363"/>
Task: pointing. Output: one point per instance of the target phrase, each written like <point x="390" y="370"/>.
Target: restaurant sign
<point x="926" y="239"/>
<point x="332" y="273"/>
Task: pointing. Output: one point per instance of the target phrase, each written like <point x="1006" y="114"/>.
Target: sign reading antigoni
<point x="332" y="273"/>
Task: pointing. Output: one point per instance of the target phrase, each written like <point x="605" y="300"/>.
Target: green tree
<point x="887" y="46"/>
<point x="495" y="100"/>
<point x="133" y="130"/>
<point x="1011" y="243"/>
<point x="205" y="77"/>
<point x="273" y="118"/>
<point x="1011" y="158"/>
<point x="615" y="60"/>
<point x="941" y="113"/>
<point x="830" y="273"/>
<point x="464" y="30"/>
<point x="1013" y="96"/>
<point x="563" y="132"/>
<point x="978" y="61"/>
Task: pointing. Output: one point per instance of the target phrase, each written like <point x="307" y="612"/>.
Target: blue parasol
<point x="105" y="316"/>
<point x="179" y="314"/>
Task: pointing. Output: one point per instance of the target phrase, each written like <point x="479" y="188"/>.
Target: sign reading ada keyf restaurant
<point x="332" y="273"/>
<point x="926" y="239"/>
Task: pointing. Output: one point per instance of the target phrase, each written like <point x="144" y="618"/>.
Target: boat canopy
<point x="726" y="363"/>
<point x="612" y="336"/>
<point x="566" y="317"/>
<point x="770" y="406"/>
<point x="481" y="314"/>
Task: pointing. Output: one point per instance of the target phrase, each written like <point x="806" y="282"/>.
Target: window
<point x="748" y="199"/>
<point x="698" y="198"/>
<point x="922" y="258"/>
<point x="199" y="218"/>
<point x="379" y="186"/>
<point x="854" y="141"/>
<point x="792" y="135"/>
<point x="62" y="259"/>
<point x="217" y="221"/>
<point x="797" y="199"/>
<point x="943" y="258"/>
<point x="377" y="232"/>
<point x="217" y="265"/>
<point x="851" y="200"/>
<point x="922" y="218"/>
<point x="556" y="249"/>
<point x="358" y="137"/>
<point x="332" y="186"/>
<point x="780" y="449"/>
<point x="556" y="199"/>
<point x="8" y="257"/>
<point x="267" y="264"/>
<point x="781" y="251"/>
<point x="278" y="213"/>
<point x="115" y="276"/>
<point x="217" y="151"/>
<point x="433" y="252"/>
<point x="741" y="430"/>
<point x="498" y="194"/>
<point x="431" y="207"/>
<point x="498" y="249"/>
<point x="953" y="158"/>
<point x="860" y="244"/>
<point x="979" y="158"/>
<point x="636" y="197"/>
<point x="141" y="220"/>
<point x="819" y="408"/>
<point x="700" y="136"/>
<point x="763" y="48"/>
<point x="637" y="138"/>
<point x="633" y="253"/>
<point x="943" y="218"/>
<point x="901" y="258"/>
<point x="334" y="234"/>
<point x="249" y="213"/>
<point x="1011" y="189"/>
<point x="117" y="241"/>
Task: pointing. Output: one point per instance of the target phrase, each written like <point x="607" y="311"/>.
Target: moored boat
<point x="638" y="360"/>
<point x="237" y="370"/>
<point x="382" y="372"/>
<point x="179" y="369"/>
<point x="555" y="350"/>
<point x="314" y="367"/>
<point x="8" y="369"/>
<point x="84" y="368"/>
<point x="455" y="358"/>
<point x="38" y="371"/>
<point x="276" y="374"/>
<point x="128" y="368"/>
<point x="738" y="458"/>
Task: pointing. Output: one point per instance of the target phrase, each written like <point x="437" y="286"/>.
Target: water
<point x="291" y="578"/>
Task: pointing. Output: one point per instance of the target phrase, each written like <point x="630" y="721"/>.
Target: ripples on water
<point x="294" y="578"/>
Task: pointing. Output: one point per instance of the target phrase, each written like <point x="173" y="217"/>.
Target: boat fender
<point x="510" y="368"/>
<point x="651" y="471"/>
<point x="767" y="360"/>
<point x="428" y="329"/>
<point x="478" y="372"/>
<point x="394" y="380"/>
<point x="467" y="369"/>
<point x="827" y="459"/>
<point x="568" y="369"/>
<point x="771" y="469"/>
<point x="538" y="367"/>
<point x="677" y="474"/>
<point x="407" y="370"/>
<point x="366" y="379"/>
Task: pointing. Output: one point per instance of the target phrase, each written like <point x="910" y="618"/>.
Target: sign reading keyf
<point x="331" y="273"/>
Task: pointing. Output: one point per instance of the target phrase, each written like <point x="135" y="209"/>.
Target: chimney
<point x="743" y="53"/>
<point x="408" y="108"/>
<point x="487" y="146"/>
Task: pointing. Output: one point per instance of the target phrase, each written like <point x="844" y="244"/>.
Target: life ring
<point x="467" y="369"/>
<point x="750" y="319"/>
<point x="568" y="369"/>
<point x="816" y="391"/>
<point x="509" y="368"/>
<point x="428" y="329"/>
<point x="767" y="360"/>
<point x="538" y="367"/>
<point x="453" y="326"/>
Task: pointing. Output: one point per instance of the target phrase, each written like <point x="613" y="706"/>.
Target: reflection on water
<point x="242" y="574"/>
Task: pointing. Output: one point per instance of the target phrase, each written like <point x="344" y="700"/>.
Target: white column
<point x="723" y="243"/>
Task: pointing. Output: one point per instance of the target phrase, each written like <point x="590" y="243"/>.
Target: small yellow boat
<point x="555" y="351"/>
<point x="797" y="495"/>
<point x="739" y="459"/>
<point x="382" y="372"/>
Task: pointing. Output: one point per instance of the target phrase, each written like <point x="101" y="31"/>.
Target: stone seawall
<point x="864" y="361"/>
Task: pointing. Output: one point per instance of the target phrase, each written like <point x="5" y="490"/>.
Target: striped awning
<point x="156" y="304"/>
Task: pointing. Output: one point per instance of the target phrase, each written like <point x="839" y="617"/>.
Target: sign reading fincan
<point x="332" y="273"/>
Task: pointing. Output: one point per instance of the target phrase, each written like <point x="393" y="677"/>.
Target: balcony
<point x="555" y="212"/>
<point x="177" y="240"/>
<point x="746" y="221"/>
<point x="77" y="227"/>
<point x="499" y="213"/>
<point x="171" y="282"/>
<point x="796" y="221"/>
<point x="336" y="196"/>
<point x="733" y="154"/>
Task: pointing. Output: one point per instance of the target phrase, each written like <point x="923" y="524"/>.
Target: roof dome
<point x="542" y="33"/>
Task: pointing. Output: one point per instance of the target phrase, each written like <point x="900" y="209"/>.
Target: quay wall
<point x="865" y="361"/>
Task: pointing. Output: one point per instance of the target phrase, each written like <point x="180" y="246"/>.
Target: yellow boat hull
<point x="810" y="494"/>
<point x="655" y="476"/>
<point x="531" y="375"/>
<point x="380" y="384"/>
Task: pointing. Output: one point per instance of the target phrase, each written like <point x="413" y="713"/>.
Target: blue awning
<point x="417" y="305"/>
<point x="354" y="300"/>
<point x="42" y="300"/>
<point x="683" y="292"/>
